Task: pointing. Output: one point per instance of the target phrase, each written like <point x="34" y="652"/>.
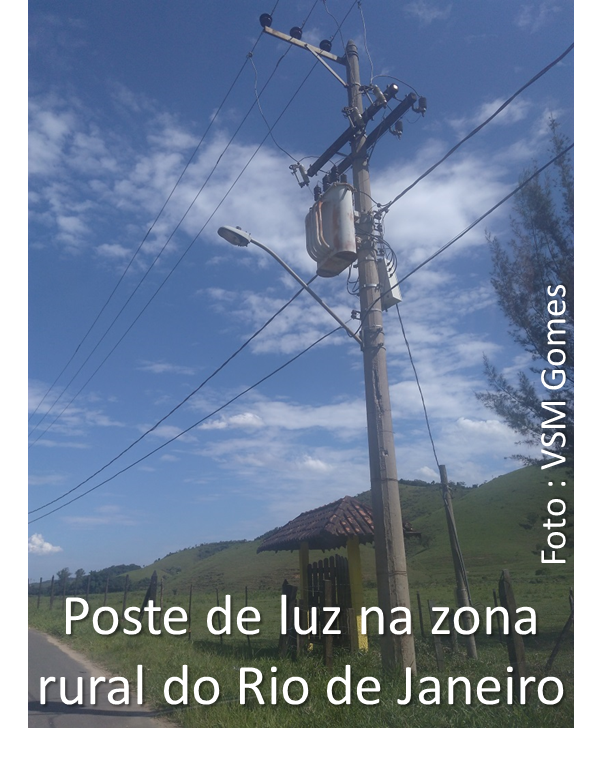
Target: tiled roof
<point x="325" y="528"/>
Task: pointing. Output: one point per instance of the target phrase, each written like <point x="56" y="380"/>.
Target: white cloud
<point x="314" y="464"/>
<point x="428" y="474"/>
<point x="515" y="112"/>
<point x="62" y="419"/>
<point x="533" y="16"/>
<point x="242" y="420"/>
<point x="51" y="478"/>
<point x="427" y="12"/>
<point x="37" y="545"/>
<point x="104" y="515"/>
<point x="160" y="367"/>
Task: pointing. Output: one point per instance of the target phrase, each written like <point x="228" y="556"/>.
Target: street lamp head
<point x="235" y="236"/>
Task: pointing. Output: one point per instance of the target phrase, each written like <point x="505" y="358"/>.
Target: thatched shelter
<point x="343" y="523"/>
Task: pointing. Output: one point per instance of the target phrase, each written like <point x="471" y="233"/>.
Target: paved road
<point x="49" y="658"/>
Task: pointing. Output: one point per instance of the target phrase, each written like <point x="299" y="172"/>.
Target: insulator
<point x="398" y="127"/>
<point x="392" y="89"/>
<point x="344" y="178"/>
<point x="423" y="104"/>
<point x="325" y="182"/>
<point x="265" y="19"/>
<point x="325" y="45"/>
<point x="317" y="193"/>
<point x="296" y="32"/>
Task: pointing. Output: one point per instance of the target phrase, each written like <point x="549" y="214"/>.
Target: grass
<point x="499" y="526"/>
<point x="163" y="656"/>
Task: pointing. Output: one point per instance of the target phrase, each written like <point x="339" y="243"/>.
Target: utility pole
<point x="463" y="598"/>
<point x="397" y="652"/>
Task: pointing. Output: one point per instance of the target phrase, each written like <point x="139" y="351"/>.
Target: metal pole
<point x="307" y="288"/>
<point x="463" y="599"/>
<point x="397" y="651"/>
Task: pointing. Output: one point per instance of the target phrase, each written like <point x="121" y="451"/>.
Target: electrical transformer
<point x="330" y="235"/>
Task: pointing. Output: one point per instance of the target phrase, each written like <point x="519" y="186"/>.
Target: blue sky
<point x="120" y="96"/>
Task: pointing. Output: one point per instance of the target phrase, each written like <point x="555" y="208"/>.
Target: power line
<point x="419" y="387"/>
<point x="384" y="208"/>
<point x="164" y="247"/>
<point x="145" y="237"/>
<point x="197" y="423"/>
<point x="453" y="530"/>
<point x="520" y="186"/>
<point x="362" y="18"/>
<point x="337" y="24"/>
<point x="181" y="403"/>
<point x="168" y="240"/>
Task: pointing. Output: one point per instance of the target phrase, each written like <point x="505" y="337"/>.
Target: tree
<point x="62" y="577"/>
<point x="538" y="256"/>
<point x="78" y="576"/>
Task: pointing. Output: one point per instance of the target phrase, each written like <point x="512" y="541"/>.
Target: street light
<point x="239" y="237"/>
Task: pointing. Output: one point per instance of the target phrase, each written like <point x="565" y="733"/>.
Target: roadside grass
<point x="163" y="656"/>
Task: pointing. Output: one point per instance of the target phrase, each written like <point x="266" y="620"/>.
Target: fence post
<point x="126" y="589"/>
<point x="454" y="647"/>
<point x="190" y="615"/>
<point x="39" y="592"/>
<point x="218" y="620"/>
<point x="438" y="645"/>
<point x="246" y="603"/>
<point x="327" y="639"/>
<point x="52" y="592"/>
<point x="421" y="616"/>
<point x="516" y="646"/>
<point x="288" y="641"/>
<point x="561" y="636"/>
<point x="160" y="602"/>
<point x="499" y="625"/>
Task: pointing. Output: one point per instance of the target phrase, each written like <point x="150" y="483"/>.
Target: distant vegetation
<point x="499" y="525"/>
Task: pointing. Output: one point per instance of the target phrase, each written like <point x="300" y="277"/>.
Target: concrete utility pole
<point x="397" y="651"/>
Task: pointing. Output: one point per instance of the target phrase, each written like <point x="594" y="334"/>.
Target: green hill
<point x="499" y="525"/>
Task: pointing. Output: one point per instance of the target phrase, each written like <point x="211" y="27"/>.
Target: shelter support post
<point x="360" y="641"/>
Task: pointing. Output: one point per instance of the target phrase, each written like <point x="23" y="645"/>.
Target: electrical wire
<point x="181" y="403"/>
<point x="507" y="197"/>
<point x="263" y="116"/>
<point x="339" y="26"/>
<point x="194" y="425"/>
<point x="324" y="2"/>
<point x="150" y="229"/>
<point x="165" y="245"/>
<point x="362" y="18"/>
<point x="419" y="388"/>
<point x="198" y="234"/>
<point x="305" y="21"/>
<point x="384" y="208"/>
<point x="453" y="532"/>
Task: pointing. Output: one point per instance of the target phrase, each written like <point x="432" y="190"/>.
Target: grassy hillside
<point x="499" y="526"/>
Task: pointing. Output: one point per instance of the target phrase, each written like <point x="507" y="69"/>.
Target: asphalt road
<point x="49" y="658"/>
